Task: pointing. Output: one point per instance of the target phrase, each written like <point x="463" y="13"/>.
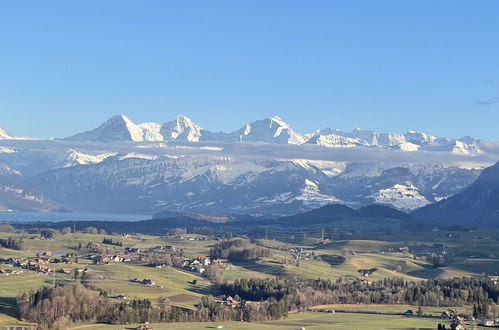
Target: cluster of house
<point x="425" y="250"/>
<point x="131" y="250"/>
<point x="39" y="265"/>
<point x="300" y="253"/>
<point x="130" y="254"/>
<point x="115" y="259"/>
<point x="167" y="248"/>
<point x="196" y="265"/>
<point x="199" y="264"/>
<point x="191" y="238"/>
<point x="458" y="320"/>
<point x="9" y="271"/>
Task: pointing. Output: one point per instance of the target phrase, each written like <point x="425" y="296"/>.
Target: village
<point x="105" y="253"/>
<point x="44" y="263"/>
<point x="125" y="267"/>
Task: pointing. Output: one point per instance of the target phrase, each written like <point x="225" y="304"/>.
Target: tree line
<point x="302" y="294"/>
<point x="257" y="300"/>
<point x="67" y="305"/>
<point x="111" y="242"/>
<point x="239" y="250"/>
<point x="12" y="243"/>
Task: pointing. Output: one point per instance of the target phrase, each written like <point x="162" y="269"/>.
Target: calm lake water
<point x="76" y="216"/>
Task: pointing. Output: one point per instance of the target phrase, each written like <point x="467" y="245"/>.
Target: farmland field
<point x="379" y="255"/>
<point x="309" y="320"/>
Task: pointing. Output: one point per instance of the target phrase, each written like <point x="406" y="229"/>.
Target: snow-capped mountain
<point x="121" y="128"/>
<point x="272" y="130"/>
<point x="73" y="157"/>
<point x="181" y="129"/>
<point x="5" y="135"/>
<point x="122" y="166"/>
<point x="409" y="141"/>
<point x="246" y="186"/>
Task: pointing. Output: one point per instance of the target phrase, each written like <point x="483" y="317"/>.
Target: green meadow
<point x="308" y="320"/>
<point x="384" y="254"/>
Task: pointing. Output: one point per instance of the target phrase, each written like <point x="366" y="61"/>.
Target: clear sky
<point x="66" y="66"/>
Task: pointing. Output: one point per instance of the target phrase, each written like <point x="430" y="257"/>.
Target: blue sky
<point x="66" y="66"/>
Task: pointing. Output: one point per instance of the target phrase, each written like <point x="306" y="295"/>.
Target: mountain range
<point x="270" y="130"/>
<point x="263" y="168"/>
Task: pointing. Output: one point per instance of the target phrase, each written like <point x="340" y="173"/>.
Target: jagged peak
<point x="183" y="118"/>
<point x="119" y="117"/>
<point x="184" y="121"/>
<point x="181" y="127"/>
<point x="119" y="120"/>
<point x="270" y="129"/>
<point x="4" y="134"/>
<point x="181" y="121"/>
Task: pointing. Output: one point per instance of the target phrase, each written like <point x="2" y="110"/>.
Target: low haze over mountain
<point x="265" y="167"/>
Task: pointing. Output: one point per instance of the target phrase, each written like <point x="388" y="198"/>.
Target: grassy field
<point x="170" y="282"/>
<point x="392" y="309"/>
<point x="467" y="253"/>
<point x="309" y="320"/>
<point x="174" y="284"/>
<point x="68" y="242"/>
<point x="6" y="319"/>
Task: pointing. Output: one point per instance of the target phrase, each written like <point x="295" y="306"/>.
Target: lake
<point x="76" y="216"/>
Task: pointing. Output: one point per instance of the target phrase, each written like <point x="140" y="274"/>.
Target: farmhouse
<point x="65" y="270"/>
<point x="43" y="269"/>
<point x="231" y="302"/>
<point x="44" y="254"/>
<point x="8" y="272"/>
<point x="448" y="314"/>
<point x="143" y="326"/>
<point x="494" y="279"/>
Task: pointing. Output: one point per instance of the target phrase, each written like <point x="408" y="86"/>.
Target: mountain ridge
<point x="476" y="205"/>
<point x="272" y="130"/>
<point x="265" y="167"/>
